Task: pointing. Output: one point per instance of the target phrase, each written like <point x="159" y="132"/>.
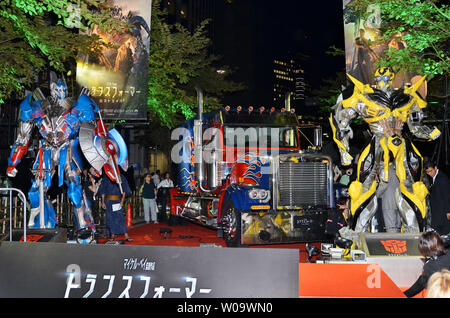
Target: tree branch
<point x="438" y="10"/>
<point x="436" y="25"/>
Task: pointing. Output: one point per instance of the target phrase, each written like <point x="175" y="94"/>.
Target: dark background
<point x="250" y="34"/>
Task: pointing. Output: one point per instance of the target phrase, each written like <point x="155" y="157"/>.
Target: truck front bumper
<point x="286" y="226"/>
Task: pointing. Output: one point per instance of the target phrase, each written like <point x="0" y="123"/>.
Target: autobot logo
<point x="394" y="246"/>
<point x="32" y="238"/>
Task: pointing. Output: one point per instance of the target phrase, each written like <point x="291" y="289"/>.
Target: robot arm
<point x="416" y="115"/>
<point x="342" y="132"/>
<point x="416" y="127"/>
<point x="19" y="148"/>
<point x="103" y="149"/>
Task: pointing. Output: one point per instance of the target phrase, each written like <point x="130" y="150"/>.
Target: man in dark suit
<point x="440" y="198"/>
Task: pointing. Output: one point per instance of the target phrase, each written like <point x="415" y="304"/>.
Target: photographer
<point x="338" y="219"/>
<point x="437" y="258"/>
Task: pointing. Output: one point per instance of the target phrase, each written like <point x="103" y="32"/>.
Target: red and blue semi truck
<point x="242" y="172"/>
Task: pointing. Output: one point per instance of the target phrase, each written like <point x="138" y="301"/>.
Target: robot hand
<point x="11" y="171"/>
<point x="346" y="158"/>
<point x="435" y="134"/>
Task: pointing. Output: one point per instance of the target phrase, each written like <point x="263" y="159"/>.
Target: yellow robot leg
<point x="411" y="199"/>
<point x="363" y="202"/>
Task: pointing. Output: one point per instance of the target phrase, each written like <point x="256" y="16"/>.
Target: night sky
<point x="251" y="33"/>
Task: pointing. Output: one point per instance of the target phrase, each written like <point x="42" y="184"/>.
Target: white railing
<point x="15" y="212"/>
<point x="24" y="210"/>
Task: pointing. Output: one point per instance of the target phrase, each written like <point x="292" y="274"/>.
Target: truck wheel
<point x="231" y="225"/>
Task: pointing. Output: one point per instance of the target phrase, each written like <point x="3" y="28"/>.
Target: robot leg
<point x="409" y="219"/>
<point x="33" y="195"/>
<point x="411" y="196"/>
<point x="88" y="218"/>
<point x="360" y="221"/>
<point x="412" y="207"/>
<point x="74" y="192"/>
<point x="49" y="218"/>
<point x="363" y="201"/>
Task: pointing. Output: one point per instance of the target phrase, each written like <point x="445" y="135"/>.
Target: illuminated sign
<point x="117" y="78"/>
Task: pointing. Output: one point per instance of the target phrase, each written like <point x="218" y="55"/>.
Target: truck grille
<point x="303" y="184"/>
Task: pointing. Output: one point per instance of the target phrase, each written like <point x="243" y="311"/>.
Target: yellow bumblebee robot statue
<point x="385" y="110"/>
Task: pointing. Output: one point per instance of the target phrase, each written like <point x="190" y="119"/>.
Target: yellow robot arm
<point x="342" y="132"/>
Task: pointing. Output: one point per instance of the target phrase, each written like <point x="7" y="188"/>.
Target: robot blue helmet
<point x="59" y="89"/>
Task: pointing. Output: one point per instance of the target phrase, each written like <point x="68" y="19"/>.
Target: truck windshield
<point x="260" y="137"/>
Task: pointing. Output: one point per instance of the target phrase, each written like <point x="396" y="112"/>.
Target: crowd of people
<point x="154" y="190"/>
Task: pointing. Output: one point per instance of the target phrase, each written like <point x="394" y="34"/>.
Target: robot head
<point x="58" y="87"/>
<point x="58" y="90"/>
<point x="384" y="77"/>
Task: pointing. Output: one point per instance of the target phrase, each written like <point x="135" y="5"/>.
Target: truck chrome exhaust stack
<point x="287" y="101"/>
<point x="198" y="139"/>
<point x="199" y="162"/>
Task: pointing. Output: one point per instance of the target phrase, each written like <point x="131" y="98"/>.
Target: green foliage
<point x="179" y="61"/>
<point x="424" y="25"/>
<point x="36" y="35"/>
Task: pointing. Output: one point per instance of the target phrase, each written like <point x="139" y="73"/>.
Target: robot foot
<point x="33" y="214"/>
<point x="411" y="229"/>
<point x="84" y="236"/>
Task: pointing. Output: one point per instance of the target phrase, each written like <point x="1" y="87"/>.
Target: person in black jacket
<point x="437" y="258"/>
<point x="338" y="218"/>
<point x="440" y="198"/>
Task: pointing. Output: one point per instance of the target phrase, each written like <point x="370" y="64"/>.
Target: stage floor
<point x="191" y="235"/>
<point x="194" y="235"/>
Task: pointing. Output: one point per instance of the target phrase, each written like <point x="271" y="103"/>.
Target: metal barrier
<point x="24" y="200"/>
<point x="16" y="214"/>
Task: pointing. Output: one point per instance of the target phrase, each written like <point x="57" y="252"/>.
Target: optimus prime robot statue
<point x="385" y="110"/>
<point x="65" y="127"/>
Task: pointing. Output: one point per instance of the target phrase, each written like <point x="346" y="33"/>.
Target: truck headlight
<point x="259" y="194"/>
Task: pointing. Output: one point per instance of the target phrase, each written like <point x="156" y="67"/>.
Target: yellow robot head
<point x="384" y="77"/>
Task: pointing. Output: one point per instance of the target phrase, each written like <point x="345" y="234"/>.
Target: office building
<point x="288" y="77"/>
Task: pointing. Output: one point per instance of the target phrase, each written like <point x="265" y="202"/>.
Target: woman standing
<point x="148" y="190"/>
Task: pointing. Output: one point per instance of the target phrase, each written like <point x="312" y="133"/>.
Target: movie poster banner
<point x="364" y="45"/>
<point x="118" y="77"/>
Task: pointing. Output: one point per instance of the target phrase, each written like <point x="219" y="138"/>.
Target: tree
<point x="179" y="61"/>
<point x="423" y="25"/>
<point x="39" y="34"/>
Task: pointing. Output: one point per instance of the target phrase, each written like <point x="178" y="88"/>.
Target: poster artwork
<point x="117" y="77"/>
<point x="364" y="46"/>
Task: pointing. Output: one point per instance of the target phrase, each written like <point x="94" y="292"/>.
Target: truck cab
<point x="242" y="172"/>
